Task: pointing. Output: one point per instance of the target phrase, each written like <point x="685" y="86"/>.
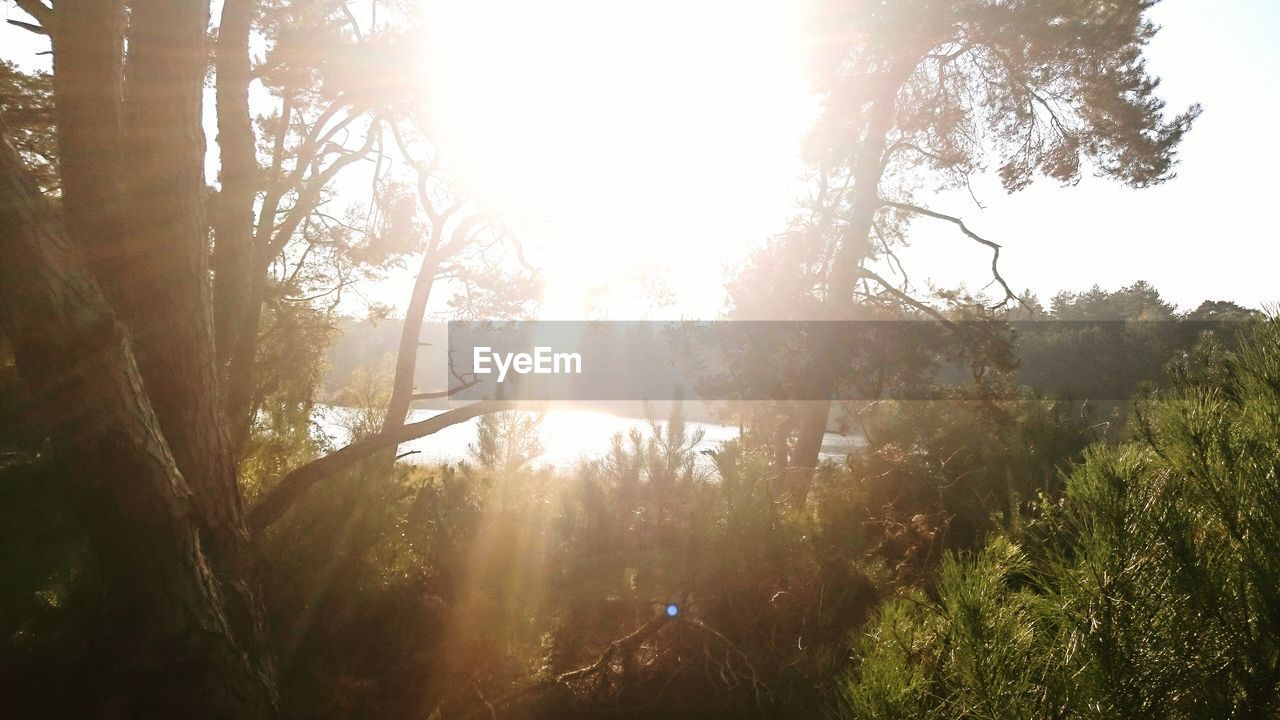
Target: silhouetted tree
<point x="147" y="376"/>
<point x="921" y="92"/>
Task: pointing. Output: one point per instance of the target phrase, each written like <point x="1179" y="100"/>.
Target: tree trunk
<point x="410" y="337"/>
<point x="173" y="651"/>
<point x="854" y="247"/>
<point x="813" y="428"/>
<point x="88" y="87"/>
<point x="238" y="175"/>
<point x="142" y="226"/>
<point x="168" y="285"/>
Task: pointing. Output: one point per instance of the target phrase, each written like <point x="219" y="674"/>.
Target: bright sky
<point x="631" y="137"/>
<point x="1209" y="233"/>
<point x="663" y="137"/>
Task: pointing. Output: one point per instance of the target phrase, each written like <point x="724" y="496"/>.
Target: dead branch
<point x="29" y="27"/>
<point x="995" y="248"/>
<point x="628" y="643"/>
<point x="38" y="10"/>
<point x="905" y="298"/>
<point x="493" y="712"/>
<point x="614" y="649"/>
<point x="754" y="677"/>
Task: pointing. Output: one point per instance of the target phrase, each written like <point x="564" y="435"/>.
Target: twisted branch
<point x="995" y="248"/>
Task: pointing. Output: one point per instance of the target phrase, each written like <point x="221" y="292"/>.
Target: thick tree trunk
<point x="174" y="653"/>
<point x="233" y="254"/>
<point x="88" y="86"/>
<point x="142" y="226"/>
<point x="169" y="290"/>
<point x="168" y="281"/>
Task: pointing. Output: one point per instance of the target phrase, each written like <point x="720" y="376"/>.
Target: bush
<point x="1151" y="588"/>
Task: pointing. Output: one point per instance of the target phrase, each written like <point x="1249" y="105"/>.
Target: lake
<point x="568" y="436"/>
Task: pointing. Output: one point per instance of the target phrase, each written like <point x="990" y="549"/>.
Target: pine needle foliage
<point x="1151" y="588"/>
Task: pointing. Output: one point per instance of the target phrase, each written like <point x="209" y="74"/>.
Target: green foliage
<point x="1105" y="347"/>
<point x="1142" y="582"/>
<point x="507" y="441"/>
<point x="1139" y="301"/>
<point x="26" y="116"/>
<point x="939" y="471"/>
<point x="1148" y="589"/>
<point x="767" y="590"/>
<point x="1040" y="88"/>
<point x="290" y="367"/>
<point x="421" y="589"/>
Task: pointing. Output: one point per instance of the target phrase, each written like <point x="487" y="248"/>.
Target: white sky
<point x="664" y="136"/>
<point x="1209" y="233"/>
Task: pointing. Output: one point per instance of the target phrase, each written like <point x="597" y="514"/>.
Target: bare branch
<point x="309" y="195"/>
<point x="615" y="648"/>
<point x="905" y="298"/>
<point x="1009" y="294"/>
<point x="493" y="712"/>
<point x="946" y="58"/>
<point x="30" y="27"/>
<point x="893" y="257"/>
<point x="351" y="20"/>
<point x="292" y="486"/>
<point x="461" y="236"/>
<point x="38" y="10"/>
<point x="756" y="683"/>
<point x="519" y="248"/>
<point x="626" y="644"/>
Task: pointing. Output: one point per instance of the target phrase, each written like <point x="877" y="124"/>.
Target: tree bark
<point x="168" y="280"/>
<point x="175" y="653"/>
<point x="168" y="288"/>
<point x="88" y="87"/>
<point x="238" y="175"/>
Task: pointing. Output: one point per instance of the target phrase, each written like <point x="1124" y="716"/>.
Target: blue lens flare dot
<point x="673" y="610"/>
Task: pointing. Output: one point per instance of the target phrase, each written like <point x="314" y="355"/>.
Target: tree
<point x="146" y="375"/>
<point x="168" y="523"/>
<point x="920" y="91"/>
<point x="1139" y="301"/>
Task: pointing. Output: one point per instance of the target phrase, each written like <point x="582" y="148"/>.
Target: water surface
<point x="568" y="436"/>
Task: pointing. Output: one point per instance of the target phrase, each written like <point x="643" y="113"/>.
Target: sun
<point x="663" y="134"/>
